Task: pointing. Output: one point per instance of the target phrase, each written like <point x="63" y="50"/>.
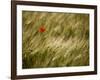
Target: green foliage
<point x="65" y="41"/>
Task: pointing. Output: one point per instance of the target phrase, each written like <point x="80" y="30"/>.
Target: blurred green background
<point x="64" y="41"/>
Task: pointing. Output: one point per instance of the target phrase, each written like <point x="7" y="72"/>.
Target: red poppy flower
<point x="42" y="29"/>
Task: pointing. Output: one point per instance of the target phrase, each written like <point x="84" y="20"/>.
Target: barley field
<point x="52" y="39"/>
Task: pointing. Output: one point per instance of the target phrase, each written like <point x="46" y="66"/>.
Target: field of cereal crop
<point x="55" y="39"/>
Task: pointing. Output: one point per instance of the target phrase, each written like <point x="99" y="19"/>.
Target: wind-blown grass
<point x="64" y="41"/>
